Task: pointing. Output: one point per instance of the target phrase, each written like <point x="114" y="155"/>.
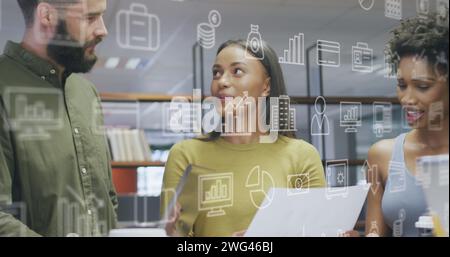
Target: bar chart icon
<point x="215" y="192"/>
<point x="296" y="52"/>
<point x="350" y="116"/>
<point x="34" y="113"/>
<point x="218" y="191"/>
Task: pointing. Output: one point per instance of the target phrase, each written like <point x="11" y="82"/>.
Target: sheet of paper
<point x="313" y="212"/>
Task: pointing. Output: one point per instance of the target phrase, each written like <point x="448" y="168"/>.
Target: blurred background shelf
<point x="138" y="97"/>
<point x="160" y="98"/>
<point x="134" y="165"/>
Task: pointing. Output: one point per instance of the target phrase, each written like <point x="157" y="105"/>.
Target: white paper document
<point x="311" y="213"/>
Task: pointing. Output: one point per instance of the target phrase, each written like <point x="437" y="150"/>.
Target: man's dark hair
<point x="28" y="8"/>
<point x="424" y="37"/>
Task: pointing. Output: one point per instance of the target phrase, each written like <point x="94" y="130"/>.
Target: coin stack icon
<point x="206" y="32"/>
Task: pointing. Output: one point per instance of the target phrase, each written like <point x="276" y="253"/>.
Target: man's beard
<point x="72" y="55"/>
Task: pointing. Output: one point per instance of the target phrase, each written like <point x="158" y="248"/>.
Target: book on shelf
<point x="128" y="145"/>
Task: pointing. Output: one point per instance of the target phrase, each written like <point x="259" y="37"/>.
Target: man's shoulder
<point x="75" y="77"/>
<point x="82" y="82"/>
<point x="2" y="58"/>
<point x="3" y="63"/>
<point x="6" y="62"/>
<point x="12" y="73"/>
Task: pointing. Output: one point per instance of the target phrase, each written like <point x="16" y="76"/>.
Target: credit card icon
<point x="328" y="53"/>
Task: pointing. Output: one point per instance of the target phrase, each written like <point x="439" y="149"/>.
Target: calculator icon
<point x="393" y="9"/>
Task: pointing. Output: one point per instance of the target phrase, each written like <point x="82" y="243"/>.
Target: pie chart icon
<point x="259" y="182"/>
<point x="366" y="4"/>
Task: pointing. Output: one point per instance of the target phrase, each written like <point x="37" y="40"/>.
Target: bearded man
<point x="54" y="157"/>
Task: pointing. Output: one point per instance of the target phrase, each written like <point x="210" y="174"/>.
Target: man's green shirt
<point x="54" y="155"/>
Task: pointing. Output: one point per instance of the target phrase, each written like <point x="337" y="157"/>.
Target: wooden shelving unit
<point x="133" y="165"/>
<point x="125" y="173"/>
<point x="136" y="97"/>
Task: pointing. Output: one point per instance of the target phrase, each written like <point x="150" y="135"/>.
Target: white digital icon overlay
<point x="328" y="53"/>
<point x="206" y="32"/>
<point x="366" y="5"/>
<point x="351" y="116"/>
<point x="254" y="46"/>
<point x="337" y="178"/>
<point x="215" y="192"/>
<point x="137" y="29"/>
<point x="320" y="125"/>
<point x="259" y="183"/>
<point x="393" y="9"/>
<point x="382" y="118"/>
<point x="296" y="52"/>
<point x="362" y="58"/>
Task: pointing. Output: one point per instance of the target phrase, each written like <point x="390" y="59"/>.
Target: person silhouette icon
<point x="320" y="124"/>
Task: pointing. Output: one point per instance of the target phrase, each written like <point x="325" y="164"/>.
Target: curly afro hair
<point x="425" y="37"/>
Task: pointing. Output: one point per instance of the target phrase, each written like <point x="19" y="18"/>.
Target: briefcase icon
<point x="362" y="58"/>
<point x="137" y="29"/>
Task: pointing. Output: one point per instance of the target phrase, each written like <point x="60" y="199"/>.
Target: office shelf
<point x="138" y="97"/>
<point x="136" y="164"/>
<point x="133" y="165"/>
<point x="356" y="162"/>
<point x="125" y="173"/>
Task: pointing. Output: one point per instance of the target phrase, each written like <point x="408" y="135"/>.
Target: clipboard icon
<point x="328" y="53"/>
